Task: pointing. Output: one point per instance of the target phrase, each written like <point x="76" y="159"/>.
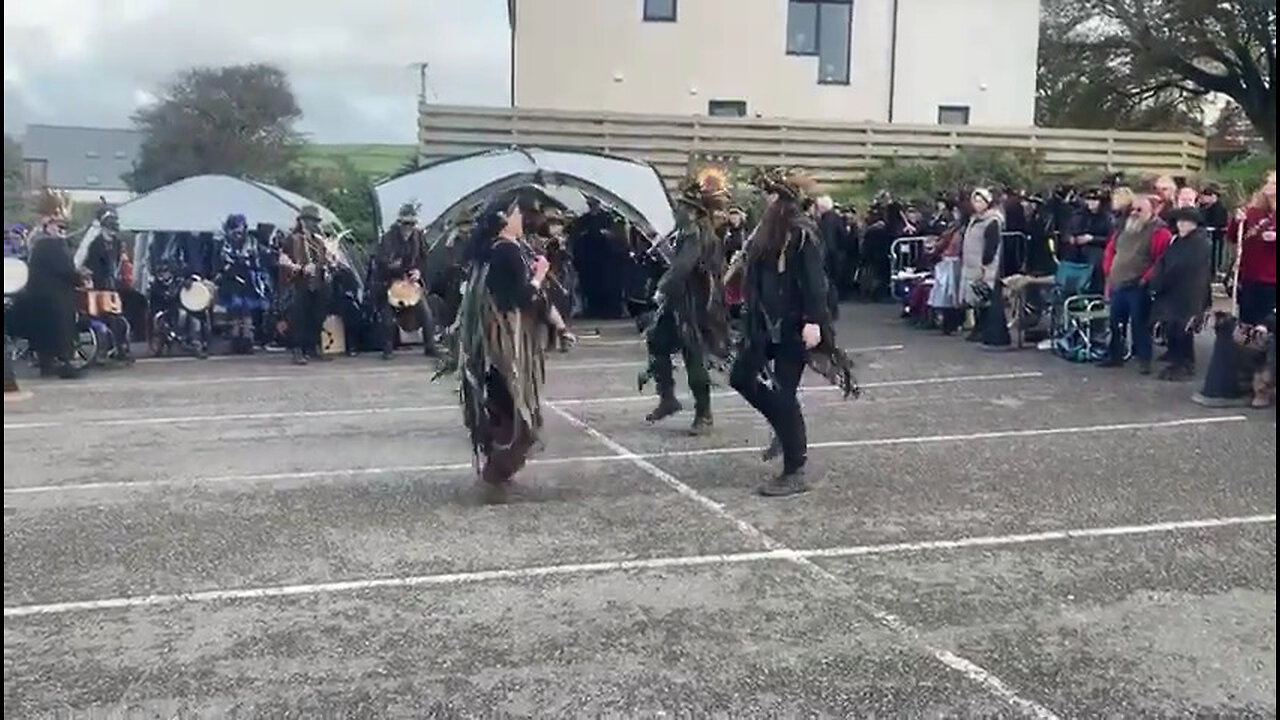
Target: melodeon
<point x="96" y="303"/>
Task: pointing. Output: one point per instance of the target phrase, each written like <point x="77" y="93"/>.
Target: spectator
<point x="1179" y="285"/>
<point x="1213" y="209"/>
<point x="1187" y="197"/>
<point x="1166" y="191"/>
<point x="1121" y="199"/>
<point x="1127" y="264"/>
<point x="1087" y="239"/>
<point x="979" y="255"/>
<point x="1255" y="228"/>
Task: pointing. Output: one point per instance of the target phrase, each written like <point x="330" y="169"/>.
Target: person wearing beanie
<point x="1180" y="290"/>
<point x="980" y="255"/>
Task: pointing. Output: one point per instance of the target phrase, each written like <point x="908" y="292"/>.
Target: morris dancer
<point x="786" y="325"/>
<point x="400" y="258"/>
<point x="51" y="290"/>
<point x="691" y="316"/>
<point x="500" y="336"/>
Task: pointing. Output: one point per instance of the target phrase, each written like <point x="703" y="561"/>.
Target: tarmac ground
<point x="989" y="535"/>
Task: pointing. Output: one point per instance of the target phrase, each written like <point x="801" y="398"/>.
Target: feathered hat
<point x="53" y="205"/>
<point x="709" y="187"/>
<point x="786" y="182"/>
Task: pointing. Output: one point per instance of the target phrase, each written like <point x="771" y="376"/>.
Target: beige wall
<point x="599" y="55"/>
<point x="975" y="53"/>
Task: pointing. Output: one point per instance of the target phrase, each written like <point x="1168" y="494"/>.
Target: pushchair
<point x="1080" y="321"/>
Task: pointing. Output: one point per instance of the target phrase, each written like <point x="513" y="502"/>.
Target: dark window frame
<point x="965" y="109"/>
<point x="817" y="38"/>
<point x="649" y="15"/>
<point x="735" y="105"/>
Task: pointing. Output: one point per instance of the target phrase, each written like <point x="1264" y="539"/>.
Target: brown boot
<point x="1264" y="390"/>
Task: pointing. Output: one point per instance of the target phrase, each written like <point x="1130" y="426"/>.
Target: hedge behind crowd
<point x="920" y="181"/>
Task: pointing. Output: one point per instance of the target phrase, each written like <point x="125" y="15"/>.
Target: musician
<point x="107" y="261"/>
<point x="691" y="317"/>
<point x="500" y="343"/>
<point x="305" y="269"/>
<point x="241" y="282"/>
<point x="50" y="300"/>
<point x="786" y="324"/>
<point x="399" y="257"/>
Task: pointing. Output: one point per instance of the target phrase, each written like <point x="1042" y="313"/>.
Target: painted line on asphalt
<point x="659" y="563"/>
<point x="339" y="473"/>
<point x="355" y="412"/>
<point x="992" y="684"/>
<point x="354" y="372"/>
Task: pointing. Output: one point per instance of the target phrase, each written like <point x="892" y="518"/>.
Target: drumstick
<point x="1235" y="264"/>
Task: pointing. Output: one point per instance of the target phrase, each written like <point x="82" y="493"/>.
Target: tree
<point x="236" y="120"/>
<point x="342" y="188"/>
<point x="1198" y="48"/>
<point x="1084" y="79"/>
<point x="13" y="204"/>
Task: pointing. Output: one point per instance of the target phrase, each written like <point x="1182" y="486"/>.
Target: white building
<point x="903" y="61"/>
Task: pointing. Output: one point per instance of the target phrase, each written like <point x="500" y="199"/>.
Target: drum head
<point x="15" y="275"/>
<point x="197" y="297"/>
<point x="404" y="294"/>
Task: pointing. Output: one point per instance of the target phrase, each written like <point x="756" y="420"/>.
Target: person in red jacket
<point x="1127" y="263"/>
<point x="1254" y="227"/>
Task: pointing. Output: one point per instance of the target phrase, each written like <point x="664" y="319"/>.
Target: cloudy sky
<point x="91" y="62"/>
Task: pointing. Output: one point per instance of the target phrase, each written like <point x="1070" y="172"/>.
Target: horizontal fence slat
<point x="833" y="152"/>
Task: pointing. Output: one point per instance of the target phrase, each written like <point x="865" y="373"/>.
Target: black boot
<point x="668" y="405"/>
<point x="786" y="483"/>
<point x="773" y="450"/>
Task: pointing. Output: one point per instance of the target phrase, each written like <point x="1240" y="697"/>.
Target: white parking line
<point x="992" y="684"/>
<point x="613" y="458"/>
<point x="659" y="563"/>
<point x="237" y="417"/>
<point x="351" y="372"/>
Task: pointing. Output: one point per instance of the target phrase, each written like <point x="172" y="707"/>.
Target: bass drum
<point x="196" y="297"/>
<point x="15" y="275"/>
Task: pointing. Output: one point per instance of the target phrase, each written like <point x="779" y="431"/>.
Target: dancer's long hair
<point x="775" y="228"/>
<point x="488" y="223"/>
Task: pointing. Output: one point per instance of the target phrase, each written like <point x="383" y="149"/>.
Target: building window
<point x="727" y="108"/>
<point x="660" y="10"/>
<point x="92" y="180"/>
<point x="119" y="155"/>
<point x="953" y="114"/>
<point x="834" y="23"/>
<point x="822" y="28"/>
<point x="91" y="153"/>
<point x="802" y="28"/>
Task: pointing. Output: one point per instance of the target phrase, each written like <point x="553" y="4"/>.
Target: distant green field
<point x="374" y="160"/>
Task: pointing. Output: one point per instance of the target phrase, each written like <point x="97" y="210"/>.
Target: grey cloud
<point x="348" y="60"/>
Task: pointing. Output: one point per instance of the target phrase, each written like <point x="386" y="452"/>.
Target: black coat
<point x="1180" y="280"/>
<point x="49" y="304"/>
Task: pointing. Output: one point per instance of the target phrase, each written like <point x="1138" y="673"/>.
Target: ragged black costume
<point x="691" y="317"/>
<point x="306" y="268"/>
<point x="786" y="325"/>
<point x="498" y="343"/>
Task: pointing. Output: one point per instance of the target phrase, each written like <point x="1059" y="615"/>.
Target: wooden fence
<point x="833" y="152"/>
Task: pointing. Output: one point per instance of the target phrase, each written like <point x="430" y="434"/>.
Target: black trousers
<point x="663" y="341"/>
<point x="1180" y="345"/>
<point x="388" y="328"/>
<point x="307" y="311"/>
<point x="1255" y="301"/>
<point x="775" y="400"/>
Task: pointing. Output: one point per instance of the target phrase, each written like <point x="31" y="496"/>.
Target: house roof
<point x="83" y="158"/>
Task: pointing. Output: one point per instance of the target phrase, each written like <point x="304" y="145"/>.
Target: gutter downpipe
<point x="893" y="60"/>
